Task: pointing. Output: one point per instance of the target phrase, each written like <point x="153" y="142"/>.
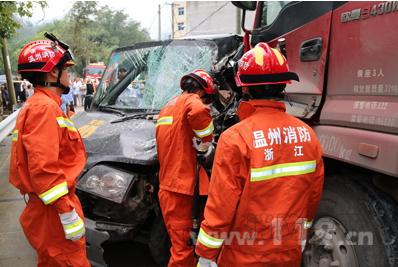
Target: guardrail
<point x="7" y="125"/>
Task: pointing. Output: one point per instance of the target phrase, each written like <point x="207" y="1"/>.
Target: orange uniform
<point x="47" y="155"/>
<point x="267" y="181"/>
<point x="184" y="117"/>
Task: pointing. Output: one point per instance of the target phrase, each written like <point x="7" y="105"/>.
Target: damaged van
<point x="118" y="186"/>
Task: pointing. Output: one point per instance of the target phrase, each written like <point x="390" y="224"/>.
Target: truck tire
<point x="355" y="226"/>
<point x="159" y="242"/>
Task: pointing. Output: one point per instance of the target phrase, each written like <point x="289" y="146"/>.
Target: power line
<point x="173" y="15"/>
<point x="168" y="15"/>
<point x="155" y="17"/>
<point x="207" y="18"/>
<point x="153" y="21"/>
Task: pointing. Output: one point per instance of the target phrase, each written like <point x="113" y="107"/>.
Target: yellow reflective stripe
<point x="209" y="241"/>
<point x="74" y="228"/>
<point x="258" y="56"/>
<point x="54" y="193"/>
<point x="308" y="225"/>
<point x="64" y="122"/>
<point x="278" y="56"/>
<point x="206" y="131"/>
<point x="164" y="121"/>
<point x="280" y="170"/>
<point x="15" y="135"/>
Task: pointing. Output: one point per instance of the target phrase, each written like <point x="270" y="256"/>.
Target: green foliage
<point x="91" y="31"/>
<point x="9" y="10"/>
<point x="119" y="30"/>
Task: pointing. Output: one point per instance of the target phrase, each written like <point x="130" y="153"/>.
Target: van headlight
<point x="110" y="183"/>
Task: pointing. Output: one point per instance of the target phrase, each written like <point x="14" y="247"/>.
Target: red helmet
<point x="202" y="78"/>
<point x="43" y="56"/>
<point x="263" y="65"/>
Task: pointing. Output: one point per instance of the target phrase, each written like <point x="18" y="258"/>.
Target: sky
<point x="143" y="11"/>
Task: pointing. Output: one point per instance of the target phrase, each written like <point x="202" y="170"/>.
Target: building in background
<point x="180" y="18"/>
<point x="193" y="18"/>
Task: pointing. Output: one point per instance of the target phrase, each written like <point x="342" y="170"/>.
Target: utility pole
<point x="7" y="68"/>
<point x="172" y="18"/>
<point x="159" y="33"/>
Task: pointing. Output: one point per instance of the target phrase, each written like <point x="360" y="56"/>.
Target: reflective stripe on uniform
<point x="280" y="170"/>
<point x="74" y="228"/>
<point x="206" y="131"/>
<point x="15" y="135"/>
<point x="64" y="122"/>
<point x="208" y="241"/>
<point x="54" y="193"/>
<point x="165" y="121"/>
<point x="308" y="225"/>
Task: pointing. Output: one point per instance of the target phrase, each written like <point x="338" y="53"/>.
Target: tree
<point x="119" y="30"/>
<point x="8" y="19"/>
<point x="91" y="31"/>
<point x="93" y="34"/>
<point x="8" y="25"/>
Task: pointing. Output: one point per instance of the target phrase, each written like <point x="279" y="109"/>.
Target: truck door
<point x="305" y="26"/>
<point x="359" y="119"/>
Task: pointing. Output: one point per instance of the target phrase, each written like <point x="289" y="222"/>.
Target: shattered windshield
<point x="147" y="75"/>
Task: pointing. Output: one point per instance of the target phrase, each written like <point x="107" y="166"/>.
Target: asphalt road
<point x="14" y="247"/>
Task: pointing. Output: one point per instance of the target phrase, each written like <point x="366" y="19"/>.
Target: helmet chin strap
<point x="66" y="89"/>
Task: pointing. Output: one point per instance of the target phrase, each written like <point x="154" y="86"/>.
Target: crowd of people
<point x="23" y="90"/>
<point x="80" y="94"/>
<point x="79" y="90"/>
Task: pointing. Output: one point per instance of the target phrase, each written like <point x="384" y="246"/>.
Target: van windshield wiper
<point x="144" y="115"/>
<point x="112" y="110"/>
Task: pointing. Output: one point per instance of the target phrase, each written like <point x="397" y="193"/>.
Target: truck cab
<point x="94" y="71"/>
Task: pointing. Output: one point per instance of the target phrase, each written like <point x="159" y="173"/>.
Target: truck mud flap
<point x="94" y="239"/>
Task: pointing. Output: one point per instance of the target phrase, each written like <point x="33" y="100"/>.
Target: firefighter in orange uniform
<point x="184" y="118"/>
<point x="47" y="155"/>
<point x="267" y="175"/>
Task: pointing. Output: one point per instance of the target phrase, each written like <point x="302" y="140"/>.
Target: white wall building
<point x="193" y="18"/>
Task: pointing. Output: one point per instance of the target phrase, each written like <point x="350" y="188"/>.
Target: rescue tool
<point x="200" y="158"/>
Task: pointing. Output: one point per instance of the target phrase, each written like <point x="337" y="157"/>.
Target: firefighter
<point x="267" y="174"/>
<point x="47" y="155"/>
<point x="183" y="119"/>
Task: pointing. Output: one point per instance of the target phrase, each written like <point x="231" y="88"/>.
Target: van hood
<point x="105" y="138"/>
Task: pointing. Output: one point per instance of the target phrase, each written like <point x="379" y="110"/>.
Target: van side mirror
<point x="245" y="5"/>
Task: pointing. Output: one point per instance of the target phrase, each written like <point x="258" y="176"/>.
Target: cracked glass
<point x="146" y="76"/>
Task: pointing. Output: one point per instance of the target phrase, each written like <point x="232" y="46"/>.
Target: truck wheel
<point x="356" y="225"/>
<point x="159" y="242"/>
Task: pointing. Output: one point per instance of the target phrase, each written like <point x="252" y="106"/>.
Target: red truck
<point x="345" y="55"/>
<point x="94" y="70"/>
